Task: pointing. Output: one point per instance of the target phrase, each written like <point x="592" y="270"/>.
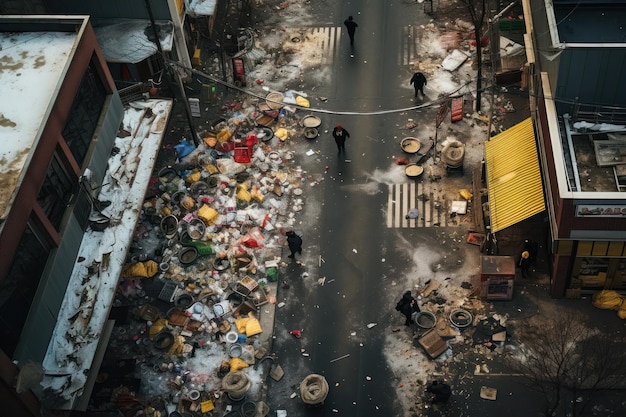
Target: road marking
<point x="325" y="40"/>
<point x="430" y="202"/>
<point x="408" y="45"/>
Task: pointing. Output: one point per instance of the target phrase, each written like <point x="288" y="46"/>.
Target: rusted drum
<point x="413" y="170"/>
<point x="410" y="145"/>
<point x="311" y="121"/>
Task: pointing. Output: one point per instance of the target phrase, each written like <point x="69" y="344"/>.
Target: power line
<point x="435" y="103"/>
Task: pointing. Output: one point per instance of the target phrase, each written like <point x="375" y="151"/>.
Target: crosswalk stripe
<point x="318" y="45"/>
<point x="408" y="45"/>
<point x="326" y="40"/>
<point x="430" y="203"/>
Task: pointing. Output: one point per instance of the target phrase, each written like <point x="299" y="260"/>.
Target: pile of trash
<point x="205" y="252"/>
<point x="610" y="300"/>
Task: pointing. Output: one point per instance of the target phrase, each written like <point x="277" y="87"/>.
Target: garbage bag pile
<point x="209" y="238"/>
<point x="610" y="300"/>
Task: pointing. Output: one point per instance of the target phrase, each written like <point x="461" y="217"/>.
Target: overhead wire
<point x="443" y="99"/>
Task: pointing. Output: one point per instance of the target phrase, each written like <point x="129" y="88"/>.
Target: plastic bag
<point x="237" y="364"/>
<point x="465" y="194"/>
<point x="302" y="102"/>
<point x="208" y="215"/>
<point x="146" y="269"/>
<point x="253" y="327"/>
<point x="184" y="148"/>
<point x="243" y="193"/>
<point x="253" y="239"/>
<point x="282" y="133"/>
<point x="607" y="300"/>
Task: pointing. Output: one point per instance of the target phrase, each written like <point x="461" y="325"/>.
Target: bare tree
<point x="477" y="10"/>
<point x="565" y="359"/>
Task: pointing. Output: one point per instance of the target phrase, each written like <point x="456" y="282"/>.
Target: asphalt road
<point x="346" y="240"/>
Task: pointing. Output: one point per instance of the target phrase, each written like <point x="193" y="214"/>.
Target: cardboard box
<point x="433" y="344"/>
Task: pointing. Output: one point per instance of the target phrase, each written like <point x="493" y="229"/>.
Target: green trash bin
<point x="272" y="274"/>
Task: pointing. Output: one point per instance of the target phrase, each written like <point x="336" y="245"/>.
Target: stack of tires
<point x="313" y="390"/>
<point x="453" y="153"/>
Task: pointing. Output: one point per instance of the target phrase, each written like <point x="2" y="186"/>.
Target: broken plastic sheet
<point x="454" y="60"/>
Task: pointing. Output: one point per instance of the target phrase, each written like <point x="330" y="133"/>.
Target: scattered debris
<point x="487" y="393"/>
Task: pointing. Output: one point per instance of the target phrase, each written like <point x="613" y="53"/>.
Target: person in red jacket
<point x="340" y="134"/>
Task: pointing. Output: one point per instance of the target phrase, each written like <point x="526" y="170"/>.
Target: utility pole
<point x="167" y="68"/>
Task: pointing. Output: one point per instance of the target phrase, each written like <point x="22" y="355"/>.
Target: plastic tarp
<point x="610" y="300"/>
<point x="145" y="269"/>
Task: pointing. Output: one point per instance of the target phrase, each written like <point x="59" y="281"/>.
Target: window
<point x="57" y="190"/>
<point x="85" y="113"/>
<point x="18" y="289"/>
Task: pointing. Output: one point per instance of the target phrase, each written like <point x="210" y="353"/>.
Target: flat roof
<point x="32" y="65"/>
<point x="597" y="156"/>
<point x="590" y="23"/>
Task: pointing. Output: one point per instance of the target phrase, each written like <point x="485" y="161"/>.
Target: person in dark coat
<point x="532" y="248"/>
<point x="419" y="81"/>
<point x="351" y="26"/>
<point x="524" y="263"/>
<point x="295" y="243"/>
<point x="407" y="306"/>
<point x="340" y="134"/>
<point x="440" y="392"/>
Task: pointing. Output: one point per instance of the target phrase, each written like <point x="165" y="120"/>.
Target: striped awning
<point x="513" y="176"/>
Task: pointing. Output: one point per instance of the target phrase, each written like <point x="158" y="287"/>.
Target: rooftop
<point x="590" y="23"/>
<point x="32" y="65"/>
<point x="598" y="160"/>
<point x="592" y="135"/>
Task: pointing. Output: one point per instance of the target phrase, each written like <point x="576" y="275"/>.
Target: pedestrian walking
<point x="440" y="392"/>
<point x="407" y="306"/>
<point x="351" y="26"/>
<point x="295" y="243"/>
<point x="533" y="249"/>
<point x="340" y="134"/>
<point x="524" y="263"/>
<point x="419" y="81"/>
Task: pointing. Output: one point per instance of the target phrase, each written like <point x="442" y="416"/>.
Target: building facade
<point x="60" y="117"/>
<point x="577" y="83"/>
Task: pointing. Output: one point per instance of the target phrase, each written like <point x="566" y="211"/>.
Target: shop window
<point x="616" y="249"/>
<point x="18" y="290"/>
<point x="600" y="248"/>
<point x="593" y="271"/>
<point x="85" y="114"/>
<point x="584" y="248"/>
<point x="57" y="190"/>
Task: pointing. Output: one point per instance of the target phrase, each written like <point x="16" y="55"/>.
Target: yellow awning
<point x="513" y="176"/>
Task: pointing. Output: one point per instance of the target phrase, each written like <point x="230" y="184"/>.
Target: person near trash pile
<point x="439" y="392"/>
<point x="407" y="306"/>
<point x="524" y="263"/>
<point x="340" y="134"/>
<point x="419" y="81"/>
<point x="295" y="243"/>
<point x="351" y="26"/>
<point x="532" y="248"/>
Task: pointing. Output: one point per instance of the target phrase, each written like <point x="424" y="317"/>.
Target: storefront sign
<point x="601" y="211"/>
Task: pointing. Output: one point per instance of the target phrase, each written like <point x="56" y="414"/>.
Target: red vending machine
<point x="239" y="72"/>
<point x="497" y="274"/>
